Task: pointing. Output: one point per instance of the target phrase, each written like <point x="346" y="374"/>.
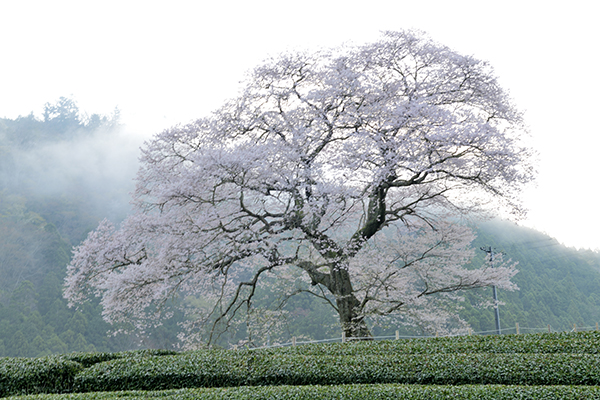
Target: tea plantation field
<point x="536" y="366"/>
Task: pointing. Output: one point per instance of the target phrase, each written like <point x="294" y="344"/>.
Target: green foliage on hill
<point x="34" y="318"/>
<point x="61" y="121"/>
<point x="48" y="203"/>
<point x="558" y="285"/>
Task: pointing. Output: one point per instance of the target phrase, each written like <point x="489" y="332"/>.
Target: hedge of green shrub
<point x="89" y="359"/>
<point x="580" y="343"/>
<point x="205" y="368"/>
<point x="508" y="360"/>
<point x="37" y="375"/>
<point x="349" y="392"/>
<point x="56" y="374"/>
<point x="210" y="369"/>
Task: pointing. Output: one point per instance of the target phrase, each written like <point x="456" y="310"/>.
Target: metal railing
<point x="504" y="331"/>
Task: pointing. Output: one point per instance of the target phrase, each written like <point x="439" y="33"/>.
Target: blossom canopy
<point x="342" y="169"/>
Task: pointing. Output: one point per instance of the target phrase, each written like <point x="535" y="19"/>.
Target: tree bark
<point x="349" y="307"/>
<point x="351" y="320"/>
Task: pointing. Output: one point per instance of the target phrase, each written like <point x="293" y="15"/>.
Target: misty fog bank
<point x="67" y="164"/>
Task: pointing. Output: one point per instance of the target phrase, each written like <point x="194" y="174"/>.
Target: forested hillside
<point x="59" y="177"/>
<point x="558" y="285"/>
<point x="61" y="173"/>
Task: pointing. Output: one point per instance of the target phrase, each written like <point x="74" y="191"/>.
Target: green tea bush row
<point x="546" y="359"/>
<point x="89" y="359"/>
<point x="210" y="369"/>
<point x="349" y="392"/>
<point x="55" y="374"/>
<point x="580" y="343"/>
<point x="205" y="368"/>
<point x="444" y="369"/>
<point x="37" y="375"/>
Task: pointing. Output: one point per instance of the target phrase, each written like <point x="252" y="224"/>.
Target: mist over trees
<point x="56" y="183"/>
<point x="341" y="173"/>
<point x="83" y="164"/>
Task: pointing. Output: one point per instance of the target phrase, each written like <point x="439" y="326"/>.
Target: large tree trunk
<point x="351" y="321"/>
<point x="349" y="307"/>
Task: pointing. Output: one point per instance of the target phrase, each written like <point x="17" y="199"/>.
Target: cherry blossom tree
<point x="344" y="173"/>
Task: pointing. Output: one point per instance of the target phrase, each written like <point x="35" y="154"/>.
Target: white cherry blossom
<point x="344" y="167"/>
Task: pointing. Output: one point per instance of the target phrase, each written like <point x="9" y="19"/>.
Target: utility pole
<point x="490" y="251"/>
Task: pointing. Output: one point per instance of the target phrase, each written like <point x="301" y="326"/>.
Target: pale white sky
<point x="168" y="62"/>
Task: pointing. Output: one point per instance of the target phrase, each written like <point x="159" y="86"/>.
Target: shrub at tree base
<point x="349" y="392"/>
<point x="579" y="343"/>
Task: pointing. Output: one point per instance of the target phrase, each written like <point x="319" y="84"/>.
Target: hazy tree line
<point x="50" y="199"/>
<point x="52" y="192"/>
